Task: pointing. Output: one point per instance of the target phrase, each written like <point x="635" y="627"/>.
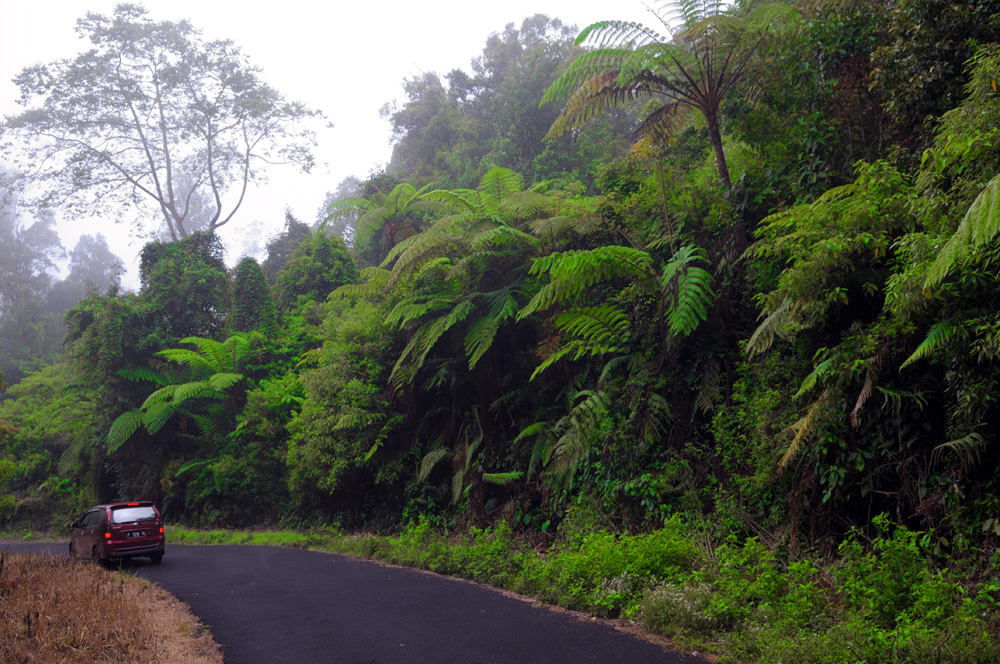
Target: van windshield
<point x="133" y="514"/>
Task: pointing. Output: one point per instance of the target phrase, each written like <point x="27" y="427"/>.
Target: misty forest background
<point x="771" y="309"/>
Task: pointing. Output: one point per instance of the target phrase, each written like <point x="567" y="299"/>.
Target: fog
<point x="345" y="59"/>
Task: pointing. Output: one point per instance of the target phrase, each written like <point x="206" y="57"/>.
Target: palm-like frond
<point x="968" y="449"/>
<point x="687" y="290"/>
<point x="412" y="358"/>
<point x="124" y="426"/>
<point x="155" y="416"/>
<point x="502" y="479"/>
<point x="572" y="272"/>
<point x="430" y="460"/>
<point x="978" y="227"/>
<point x="771" y="327"/>
<point x="803" y="429"/>
<point x="143" y="373"/>
<point x="937" y="337"/>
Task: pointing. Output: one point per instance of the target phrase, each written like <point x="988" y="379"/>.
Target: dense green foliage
<point x="742" y="378"/>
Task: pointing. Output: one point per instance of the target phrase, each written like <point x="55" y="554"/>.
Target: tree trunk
<point x="720" y="156"/>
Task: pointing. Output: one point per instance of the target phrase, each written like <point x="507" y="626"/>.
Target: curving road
<point x="267" y="604"/>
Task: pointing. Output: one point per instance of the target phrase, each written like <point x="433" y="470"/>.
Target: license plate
<point x="136" y="533"/>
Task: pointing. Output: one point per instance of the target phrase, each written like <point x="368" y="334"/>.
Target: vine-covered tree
<point x="153" y="115"/>
<point x="695" y="68"/>
<point x="253" y="306"/>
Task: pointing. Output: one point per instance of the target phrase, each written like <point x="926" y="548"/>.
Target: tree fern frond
<point x="657" y="415"/>
<point x="375" y="280"/>
<point x="122" y="429"/>
<point x="190" y="358"/>
<point x="221" y="382"/>
<point x="154" y="417"/>
<point x="688" y="290"/>
<point x="572" y="272"/>
<point x="165" y="393"/>
<point x="502" y="479"/>
<point x="592" y="97"/>
<point x="968" y="450"/>
<point x="803" y="429"/>
<point x="412" y="358"/>
<point x="143" y="373"/>
<point x="770" y="328"/>
<point x="867" y="388"/>
<point x="479" y="337"/>
<point x="523" y="204"/>
<point x="204" y="423"/>
<point x="617" y="33"/>
<point x="605" y="326"/>
<point x="978" y="227"/>
<point x="503" y="236"/>
<point x="819" y="371"/>
<point x="429" y="461"/>
<point x="937" y="337"/>
<point x="710" y="387"/>
<point x="582" y="69"/>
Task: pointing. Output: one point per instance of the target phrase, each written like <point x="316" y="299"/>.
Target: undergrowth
<point x="881" y="601"/>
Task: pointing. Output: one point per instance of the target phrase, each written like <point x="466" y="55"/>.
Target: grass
<point x="54" y="609"/>
<point x="880" y="601"/>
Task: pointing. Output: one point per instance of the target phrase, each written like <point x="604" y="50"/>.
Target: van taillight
<point x="161" y="530"/>
<point x="107" y="535"/>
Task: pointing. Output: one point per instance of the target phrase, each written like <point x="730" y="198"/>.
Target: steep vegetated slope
<point x="736" y="271"/>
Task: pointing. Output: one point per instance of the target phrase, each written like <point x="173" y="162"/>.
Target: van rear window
<point x="132" y="514"/>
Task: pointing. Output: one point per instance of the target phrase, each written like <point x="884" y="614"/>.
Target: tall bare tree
<point x="151" y="108"/>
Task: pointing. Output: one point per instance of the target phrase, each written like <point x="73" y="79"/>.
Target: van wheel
<point x="156" y="558"/>
<point x="95" y="555"/>
<point x="72" y="551"/>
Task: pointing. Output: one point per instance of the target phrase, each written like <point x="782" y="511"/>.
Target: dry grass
<point x="54" y="610"/>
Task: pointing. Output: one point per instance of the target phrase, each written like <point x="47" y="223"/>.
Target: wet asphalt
<point x="269" y="604"/>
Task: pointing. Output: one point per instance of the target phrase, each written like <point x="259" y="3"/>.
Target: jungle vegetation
<point x="739" y="270"/>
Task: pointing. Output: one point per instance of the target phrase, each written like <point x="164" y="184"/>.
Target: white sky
<point x="344" y="58"/>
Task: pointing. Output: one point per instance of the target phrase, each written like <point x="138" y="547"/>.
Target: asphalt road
<point x="267" y="604"/>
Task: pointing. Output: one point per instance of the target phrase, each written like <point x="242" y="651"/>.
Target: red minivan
<point x="118" y="531"/>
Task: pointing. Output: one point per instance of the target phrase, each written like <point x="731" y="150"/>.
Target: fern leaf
<point x="572" y="272"/>
<point x="770" y="328"/>
<point x="430" y="460"/>
<point x="143" y="373"/>
<point x="688" y="291"/>
<point x="937" y="337"/>
<point x="803" y="429"/>
<point x="154" y="417"/>
<point x="809" y="382"/>
<point x="124" y="426"/>
<point x="204" y="423"/>
<point x="978" y="227"/>
<point x="968" y="450"/>
<point x="165" y="393"/>
<point x="221" y="382"/>
<point x="479" y="337"/>
<point x="502" y="479"/>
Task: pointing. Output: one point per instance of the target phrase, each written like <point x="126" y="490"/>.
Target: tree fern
<point x="822" y="369"/>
